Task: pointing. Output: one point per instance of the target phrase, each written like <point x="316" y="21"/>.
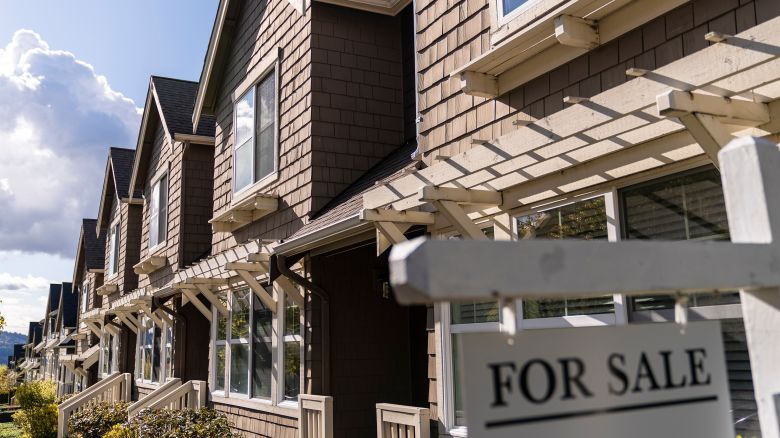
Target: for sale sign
<point x="637" y="381"/>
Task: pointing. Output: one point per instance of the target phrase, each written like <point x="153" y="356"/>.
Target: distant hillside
<point x="7" y="341"/>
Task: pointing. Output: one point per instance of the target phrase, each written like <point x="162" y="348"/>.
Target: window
<point x="158" y="212"/>
<point x="249" y="347"/>
<point x="509" y="6"/>
<point x="113" y="249"/>
<point x="149" y="352"/>
<point x="254" y="157"/>
<point x="582" y="220"/>
<point x="84" y="296"/>
<point x="108" y="354"/>
<point x="681" y="207"/>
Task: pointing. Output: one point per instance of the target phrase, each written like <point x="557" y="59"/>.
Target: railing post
<point x="750" y="170"/>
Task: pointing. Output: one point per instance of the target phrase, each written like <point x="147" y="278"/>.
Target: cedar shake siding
<point x="451" y="34"/>
<point x="189" y="184"/>
<point x="341" y="104"/>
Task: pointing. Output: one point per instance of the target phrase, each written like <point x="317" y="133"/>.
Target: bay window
<point x="253" y="341"/>
<point x="255" y="122"/>
<point x="158" y="212"/>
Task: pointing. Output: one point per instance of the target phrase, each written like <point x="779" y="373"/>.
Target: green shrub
<point x="120" y="431"/>
<point x="187" y="423"/>
<point x="97" y="420"/>
<point x="37" y="414"/>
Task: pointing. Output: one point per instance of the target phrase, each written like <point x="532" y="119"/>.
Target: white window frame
<point x="161" y="223"/>
<point x="85" y="295"/>
<point x="114" y="238"/>
<point x="114" y="347"/>
<point x="140" y="351"/>
<point x="277" y="353"/>
<point x="267" y="67"/>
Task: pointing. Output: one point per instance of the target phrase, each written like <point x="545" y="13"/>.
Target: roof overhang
<point x="385" y="7"/>
<point x="151" y="106"/>
<point x="558" y="36"/>
<point x="620" y="132"/>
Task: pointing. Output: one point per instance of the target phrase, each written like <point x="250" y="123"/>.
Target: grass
<point x="9" y="430"/>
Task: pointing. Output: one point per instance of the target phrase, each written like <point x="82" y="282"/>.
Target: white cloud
<point x="23" y="300"/>
<point x="57" y="119"/>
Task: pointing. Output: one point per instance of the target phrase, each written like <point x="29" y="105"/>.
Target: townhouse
<point x="244" y="262"/>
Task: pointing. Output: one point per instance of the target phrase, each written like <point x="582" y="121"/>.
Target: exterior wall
<point x="357" y="95"/>
<point x="165" y="156"/>
<point x="450" y="34"/>
<point x="129" y="241"/>
<point x="252" y="423"/>
<point x="263" y="28"/>
<point x="196" y="192"/>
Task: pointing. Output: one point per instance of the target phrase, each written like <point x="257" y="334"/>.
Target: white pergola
<point x="425" y="271"/>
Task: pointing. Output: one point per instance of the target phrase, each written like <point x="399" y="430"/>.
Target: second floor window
<point x="113" y="249"/>
<point x="84" y="296"/>
<point x="254" y="157"/>
<point x="158" y="212"/>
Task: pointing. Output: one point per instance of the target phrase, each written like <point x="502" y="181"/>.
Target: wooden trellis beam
<point x="193" y="298"/>
<point x="459" y="220"/>
<point x="213" y="299"/>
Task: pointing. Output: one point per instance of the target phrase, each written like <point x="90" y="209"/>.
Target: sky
<point x="73" y="78"/>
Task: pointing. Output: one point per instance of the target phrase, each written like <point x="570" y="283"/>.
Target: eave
<point x="385" y="7"/>
<point x="543" y="45"/>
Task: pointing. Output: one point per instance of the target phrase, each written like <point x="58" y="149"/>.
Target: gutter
<point x="323" y="236"/>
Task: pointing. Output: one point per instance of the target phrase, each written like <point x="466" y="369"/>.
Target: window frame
<point x="267" y="67"/>
<point x="114" y="238"/>
<point x="113" y="364"/>
<point x="140" y="352"/>
<point x="85" y="295"/>
<point x="278" y="340"/>
<point x="162" y="223"/>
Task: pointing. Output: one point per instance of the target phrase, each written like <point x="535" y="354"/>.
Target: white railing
<point x="114" y="388"/>
<point x="315" y="416"/>
<point x="190" y="395"/>
<point x="396" y="421"/>
<point x="153" y="396"/>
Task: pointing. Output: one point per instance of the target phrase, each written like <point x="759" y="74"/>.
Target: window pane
<point x="154" y="211"/>
<point x="239" y="322"/>
<point x="245" y="108"/>
<point x="474" y="312"/>
<point x="511" y="5"/>
<point x="222" y="321"/>
<point x="169" y="352"/>
<point x="264" y="164"/>
<point x="219" y="372"/>
<point x="243" y="163"/>
<point x="582" y="220"/>
<point x="267" y="95"/>
<point x="261" y="344"/>
<point x="460" y="413"/>
<point x="292" y="320"/>
<point x="681" y="207"/>
<point x="292" y="363"/>
<point x="156" y="354"/>
<point x="162" y="217"/>
<point x="239" y="368"/>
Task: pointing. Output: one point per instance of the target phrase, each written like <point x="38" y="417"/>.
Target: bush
<point x="188" y="423"/>
<point x="97" y="420"/>
<point x="37" y="414"/>
<point x="120" y="431"/>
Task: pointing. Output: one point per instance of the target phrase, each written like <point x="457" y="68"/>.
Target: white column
<point x="751" y="185"/>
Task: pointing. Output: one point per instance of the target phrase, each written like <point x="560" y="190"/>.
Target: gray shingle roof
<point x="94" y="245"/>
<point x="122" y="166"/>
<point x="69" y="303"/>
<point x="55" y="290"/>
<point x="350" y="201"/>
<point x="177" y="100"/>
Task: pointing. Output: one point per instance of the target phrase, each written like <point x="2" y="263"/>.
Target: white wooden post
<point x="751" y="183"/>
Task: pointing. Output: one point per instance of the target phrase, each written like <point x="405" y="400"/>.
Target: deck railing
<point x="189" y="395"/>
<point x="114" y="388"/>
<point x="315" y="416"/>
<point x="396" y="421"/>
<point x="154" y="396"/>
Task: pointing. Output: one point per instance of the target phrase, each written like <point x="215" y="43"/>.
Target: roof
<point x="116" y="183"/>
<point x="55" y="292"/>
<point x="171" y="101"/>
<point x="34" y="332"/>
<point x="349" y="202"/>
<point x="69" y="305"/>
<point x="176" y="98"/>
<point x="90" y="249"/>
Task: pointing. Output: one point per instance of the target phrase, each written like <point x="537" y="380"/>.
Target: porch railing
<point x="154" y="396"/>
<point x="189" y="395"/>
<point x="315" y="416"/>
<point x="396" y="421"/>
<point x="114" y="388"/>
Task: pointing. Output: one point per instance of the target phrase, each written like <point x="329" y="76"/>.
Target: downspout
<point x="178" y="318"/>
<point x="280" y="262"/>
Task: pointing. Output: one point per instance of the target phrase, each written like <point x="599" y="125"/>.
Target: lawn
<point x="9" y="430"/>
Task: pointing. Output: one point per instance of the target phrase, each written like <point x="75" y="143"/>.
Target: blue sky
<point x="73" y="76"/>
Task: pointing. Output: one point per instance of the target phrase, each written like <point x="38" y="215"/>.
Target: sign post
<point x="429" y="270"/>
